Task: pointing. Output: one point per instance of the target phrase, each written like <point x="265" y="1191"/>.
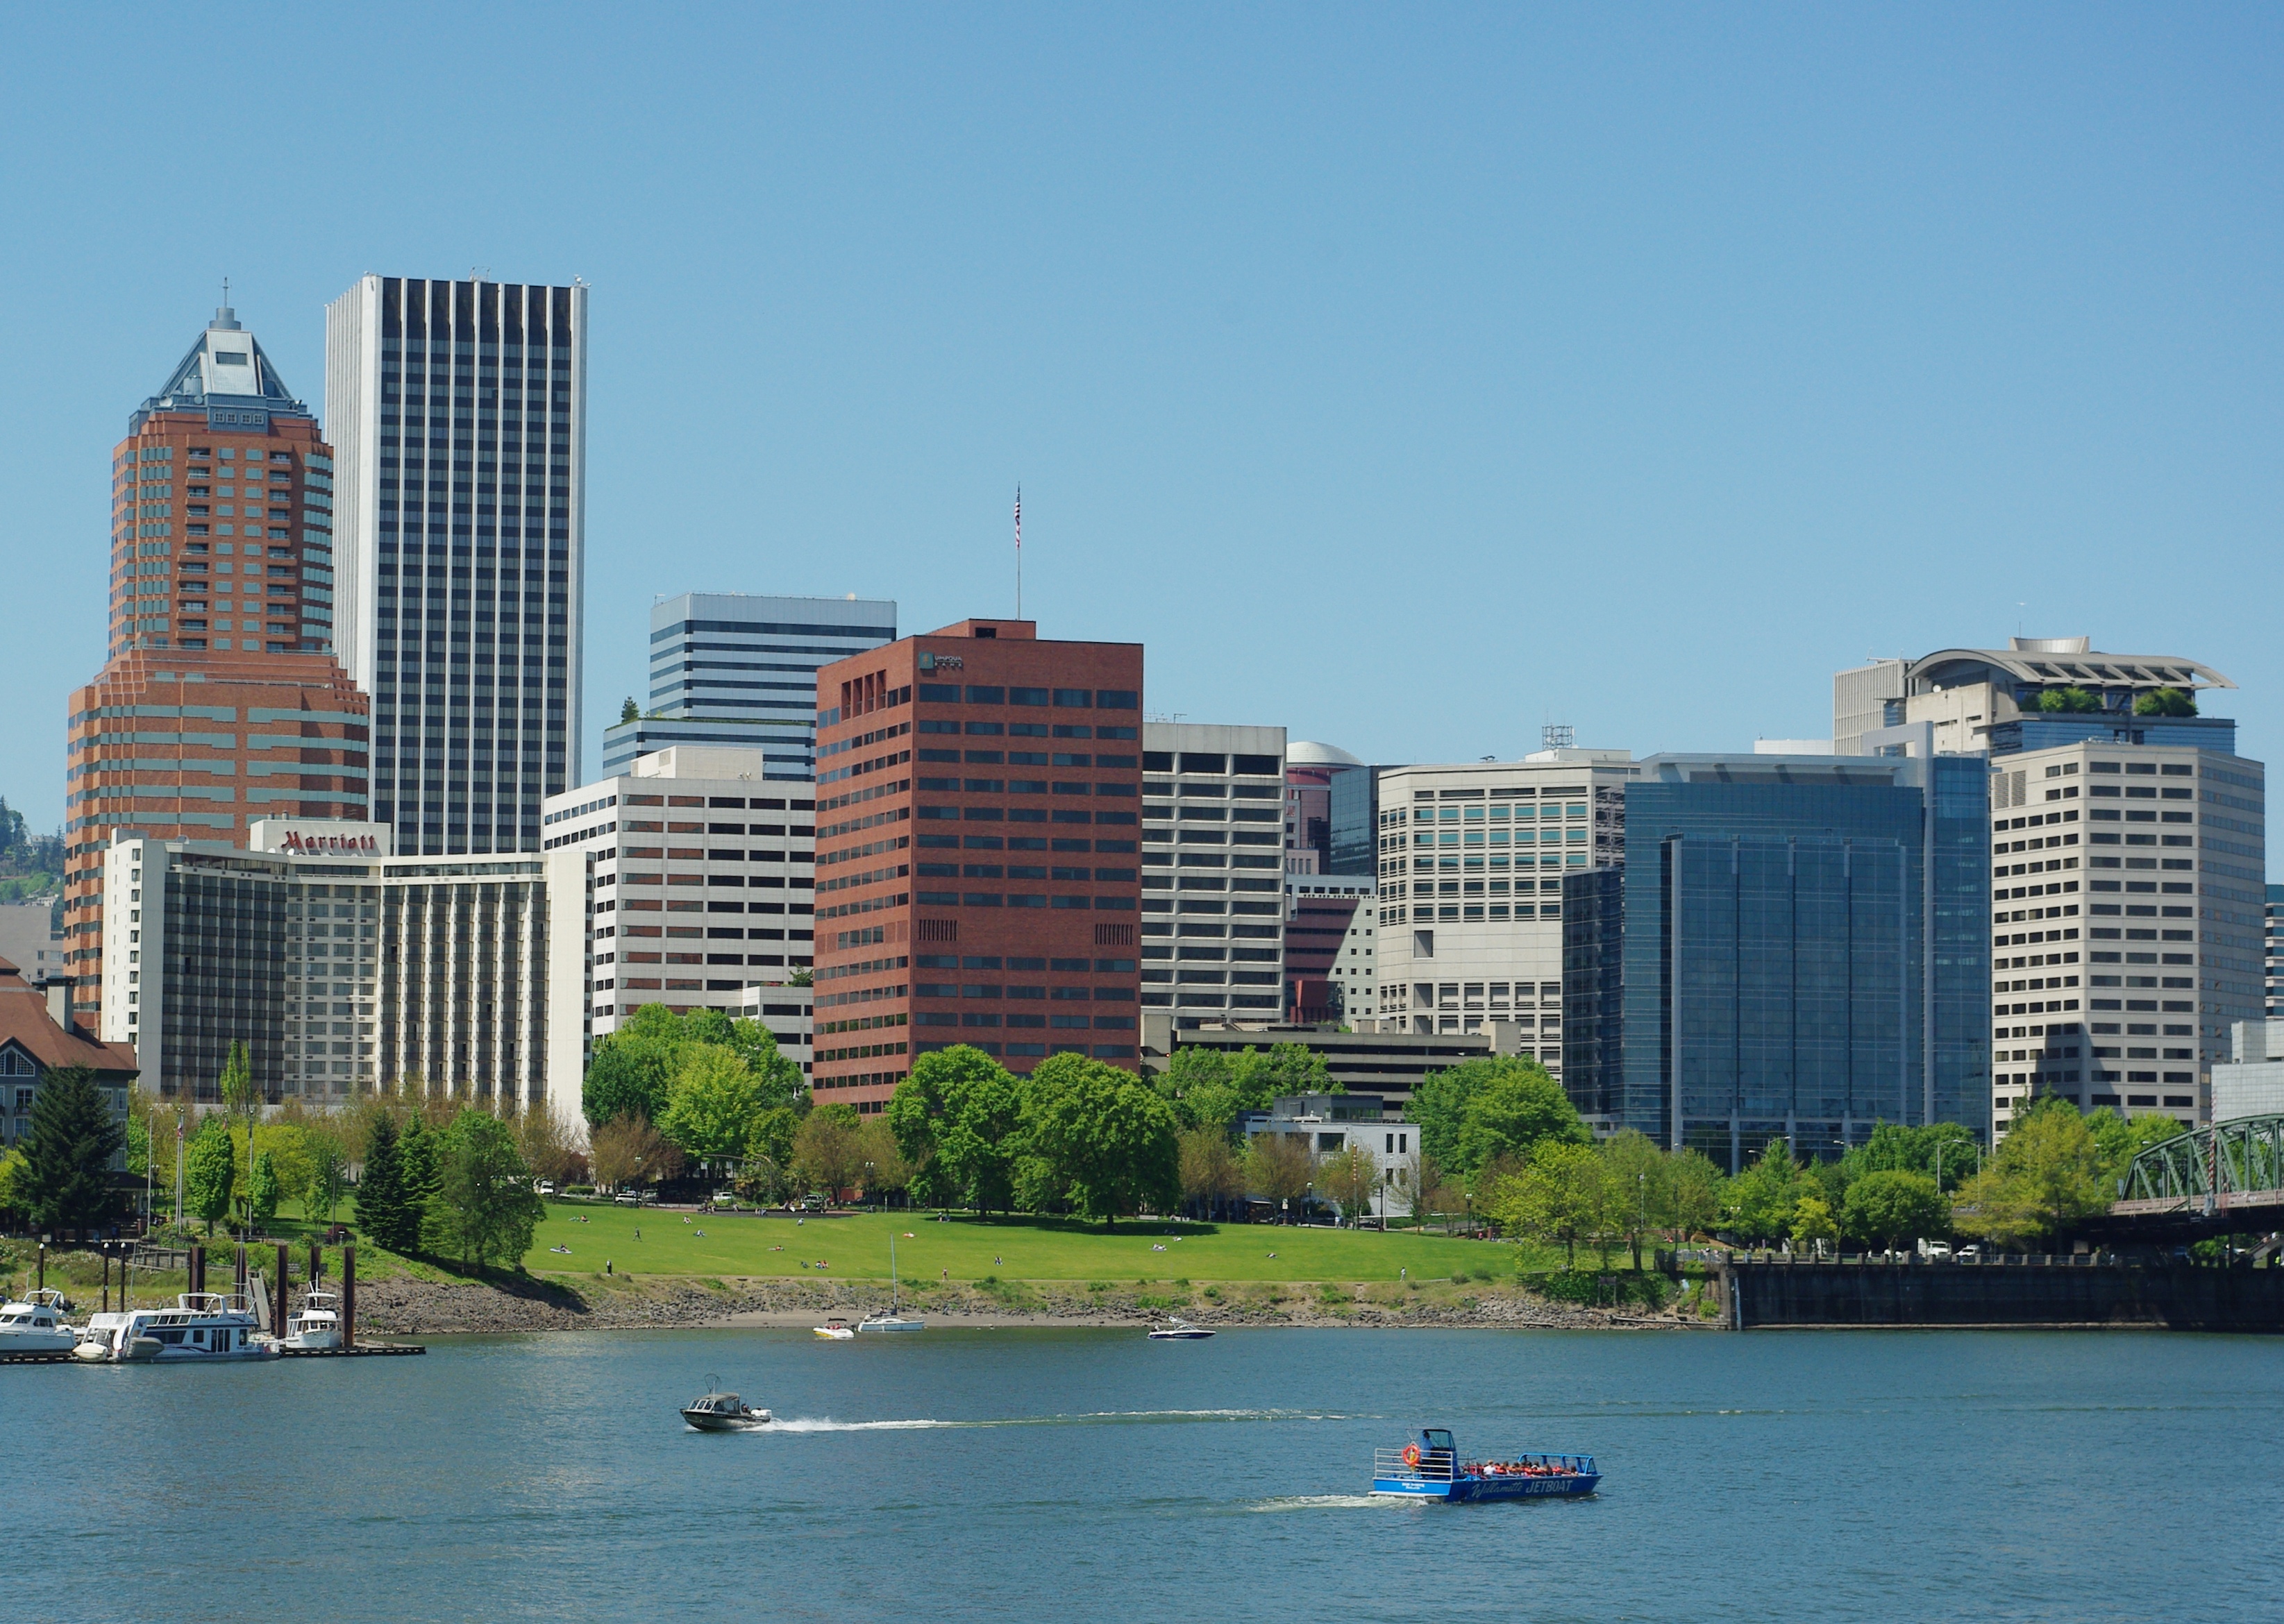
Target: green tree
<point x="2069" y="701"/>
<point x="1098" y="1138"/>
<point x="1641" y="1185"/>
<point x="485" y="1208"/>
<point x="328" y="1175"/>
<point x="1562" y="1193"/>
<point x="2165" y="702"/>
<point x="1761" y="1197"/>
<point x="211" y="1171"/>
<point x="828" y="1149"/>
<point x="1279" y="1168"/>
<point x="1699" y="1192"/>
<point x="712" y="1102"/>
<point x="2046" y="1177"/>
<point x="380" y="1205"/>
<point x="416" y="1149"/>
<point x="951" y="1116"/>
<point x="261" y="1189"/>
<point x="1896" y="1209"/>
<point x="1812" y="1221"/>
<point x="1517" y="1104"/>
<point x="68" y="1152"/>
<point x="241" y="1103"/>
<point x="1212" y="1171"/>
<point x="632" y="1068"/>
<point x="1949" y="1147"/>
<point x="15" y="1185"/>
<point x="629" y="711"/>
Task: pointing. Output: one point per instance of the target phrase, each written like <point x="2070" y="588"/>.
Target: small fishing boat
<point x="717" y="1411"/>
<point x="316" y="1324"/>
<point x="892" y="1320"/>
<point x="835" y="1329"/>
<point x="1178" y="1331"/>
<point x="1430" y="1469"/>
<point x="35" y="1325"/>
<point x="202" y="1327"/>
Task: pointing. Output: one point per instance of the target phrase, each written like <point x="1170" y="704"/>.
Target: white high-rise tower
<point x="458" y="412"/>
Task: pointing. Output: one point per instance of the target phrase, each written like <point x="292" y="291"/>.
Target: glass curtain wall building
<point x="459" y="416"/>
<point x="1795" y="949"/>
<point x="727" y="668"/>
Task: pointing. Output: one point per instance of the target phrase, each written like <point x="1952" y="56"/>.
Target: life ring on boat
<point x="1411" y="1454"/>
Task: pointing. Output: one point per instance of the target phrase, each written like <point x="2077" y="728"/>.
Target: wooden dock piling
<point x="284" y="1261"/>
<point x="349" y="1294"/>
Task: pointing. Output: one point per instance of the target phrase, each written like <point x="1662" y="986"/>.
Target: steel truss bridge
<point x="2209" y="1176"/>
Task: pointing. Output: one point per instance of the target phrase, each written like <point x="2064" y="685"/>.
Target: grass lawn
<point x="857" y="1248"/>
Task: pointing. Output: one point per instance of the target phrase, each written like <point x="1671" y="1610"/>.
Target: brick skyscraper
<point x="220" y="701"/>
<point x="978" y="799"/>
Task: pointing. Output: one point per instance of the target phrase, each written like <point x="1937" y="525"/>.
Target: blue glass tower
<point x="1795" y="947"/>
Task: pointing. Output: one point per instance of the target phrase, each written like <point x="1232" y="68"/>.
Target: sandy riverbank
<point x="419" y="1308"/>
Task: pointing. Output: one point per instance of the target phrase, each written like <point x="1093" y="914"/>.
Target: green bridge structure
<point x="2228" y="1177"/>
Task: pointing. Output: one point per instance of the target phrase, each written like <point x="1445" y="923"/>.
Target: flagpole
<point x="1018" y="552"/>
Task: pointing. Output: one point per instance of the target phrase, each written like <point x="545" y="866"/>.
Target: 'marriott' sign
<point x="299" y="845"/>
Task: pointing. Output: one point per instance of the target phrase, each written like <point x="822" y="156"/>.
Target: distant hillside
<point x="30" y="865"/>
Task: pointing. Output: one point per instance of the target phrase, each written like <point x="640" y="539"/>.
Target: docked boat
<point x="201" y="1327"/>
<point x="893" y="1319"/>
<point x="723" y="1412"/>
<point x="835" y="1330"/>
<point x="1178" y="1331"/>
<point x="1430" y="1469"/>
<point x="315" y="1325"/>
<point x="37" y="1325"/>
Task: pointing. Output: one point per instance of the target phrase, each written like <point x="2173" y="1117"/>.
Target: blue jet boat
<point x="1431" y="1469"/>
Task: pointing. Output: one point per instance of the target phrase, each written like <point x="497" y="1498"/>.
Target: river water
<point x="1060" y="1475"/>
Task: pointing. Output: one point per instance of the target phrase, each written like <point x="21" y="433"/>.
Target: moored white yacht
<point x="35" y="1325"/>
<point x="316" y="1324"/>
<point x="203" y="1327"/>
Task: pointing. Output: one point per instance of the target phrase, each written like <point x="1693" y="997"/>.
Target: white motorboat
<point x="1178" y="1331"/>
<point x="316" y="1324"/>
<point x="201" y="1327"/>
<point x="717" y="1411"/>
<point x="835" y="1330"/>
<point x="893" y="1320"/>
<point x="35" y="1325"/>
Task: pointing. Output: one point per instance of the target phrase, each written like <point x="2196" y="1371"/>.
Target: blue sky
<point x="1411" y="377"/>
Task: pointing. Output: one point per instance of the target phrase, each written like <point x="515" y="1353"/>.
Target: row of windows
<point x="993" y="899"/>
<point x="992" y="990"/>
<point x="1022" y="786"/>
<point x="1488" y="815"/>
<point x="1214" y="766"/>
<point x="993" y="870"/>
<point x="1032" y="729"/>
<point x="1072" y="698"/>
<point x="1019" y="843"/>
<point x="1027" y="758"/>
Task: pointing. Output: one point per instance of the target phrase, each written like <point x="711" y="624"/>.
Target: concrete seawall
<point x="2181" y="1299"/>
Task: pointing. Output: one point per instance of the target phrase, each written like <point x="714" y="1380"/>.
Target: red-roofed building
<point x="39" y="1034"/>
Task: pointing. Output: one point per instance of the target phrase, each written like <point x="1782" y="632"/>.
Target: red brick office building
<point x="220" y="702"/>
<point x="978" y="863"/>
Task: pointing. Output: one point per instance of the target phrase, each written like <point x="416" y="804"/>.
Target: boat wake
<point x="1327" y="1503"/>
<point x="1109" y="1417"/>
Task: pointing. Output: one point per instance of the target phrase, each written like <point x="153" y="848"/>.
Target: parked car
<point x="1935" y="1251"/>
<point x="545" y="1187"/>
<point x="725" y="1198"/>
<point x="628" y="1197"/>
<point x="1969" y="1253"/>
